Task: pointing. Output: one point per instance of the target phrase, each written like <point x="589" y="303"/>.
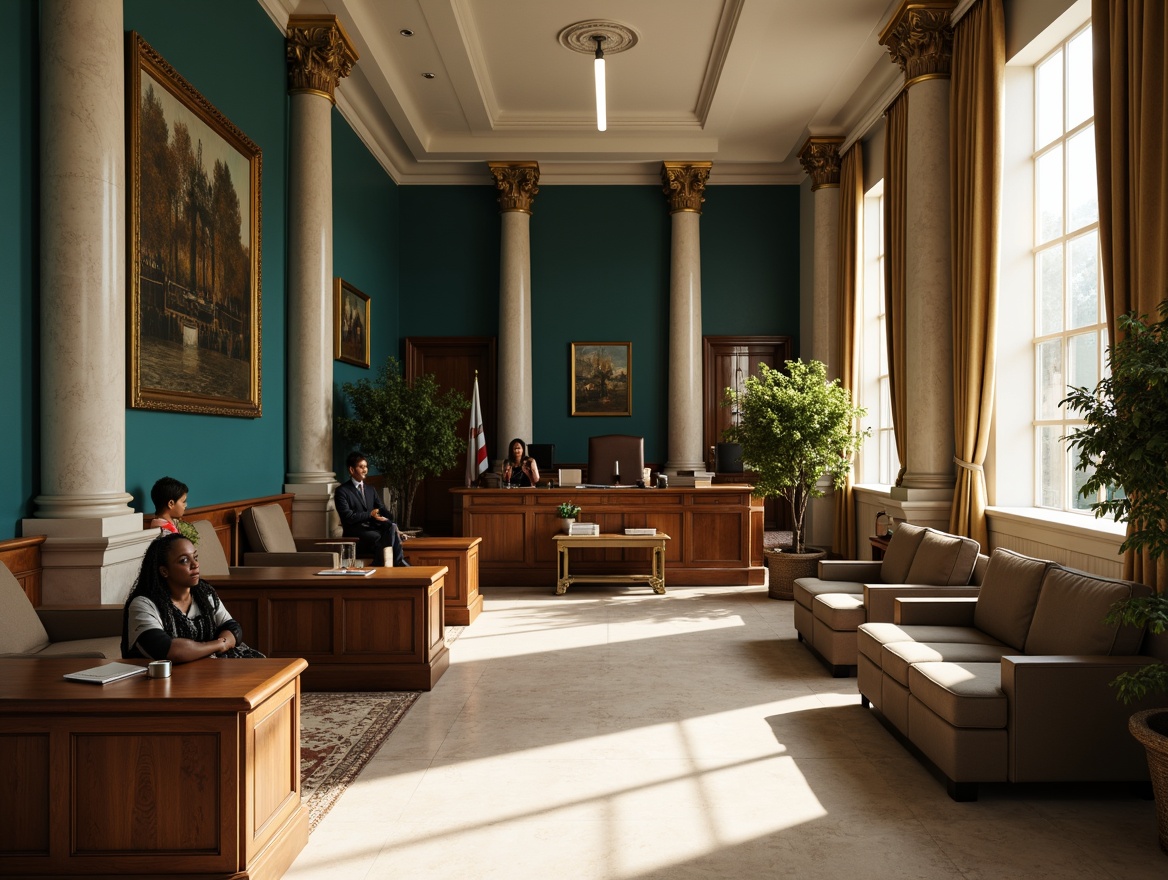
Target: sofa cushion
<point x="21" y="631"/>
<point x="963" y="694"/>
<point x="1070" y="612"/>
<point x="872" y="637"/>
<point x="899" y="555"/>
<point x="267" y="529"/>
<point x="1008" y="596"/>
<point x="897" y="657"/>
<point x="942" y="560"/>
<point x="212" y="559"/>
<point x="842" y="612"/>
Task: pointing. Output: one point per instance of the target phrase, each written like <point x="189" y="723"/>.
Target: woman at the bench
<point x="173" y="615"/>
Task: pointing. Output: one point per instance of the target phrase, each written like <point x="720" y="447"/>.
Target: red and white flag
<point x="476" y="441"/>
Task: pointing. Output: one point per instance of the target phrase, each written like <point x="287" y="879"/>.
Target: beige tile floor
<point x="614" y="733"/>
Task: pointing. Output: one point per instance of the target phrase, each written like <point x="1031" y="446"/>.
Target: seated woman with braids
<point x="173" y="615"/>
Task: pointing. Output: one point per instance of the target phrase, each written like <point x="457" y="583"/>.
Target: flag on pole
<point x="476" y="441"/>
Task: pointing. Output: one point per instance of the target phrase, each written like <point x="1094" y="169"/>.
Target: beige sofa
<point x="91" y="631"/>
<point x="919" y="561"/>
<point x="1013" y="685"/>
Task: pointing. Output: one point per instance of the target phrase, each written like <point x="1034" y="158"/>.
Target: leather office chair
<point x="606" y="450"/>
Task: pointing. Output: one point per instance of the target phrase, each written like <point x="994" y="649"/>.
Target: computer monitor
<point x="544" y="455"/>
<point x="605" y="451"/>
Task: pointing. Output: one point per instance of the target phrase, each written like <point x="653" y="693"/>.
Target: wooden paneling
<point x="463" y="602"/>
<point x="22" y="557"/>
<point x="24" y="767"/>
<point x="299" y="625"/>
<point x="717" y="532"/>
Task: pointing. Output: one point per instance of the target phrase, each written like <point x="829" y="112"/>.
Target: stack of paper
<point x="579" y="528"/>
<point x="640" y="531"/>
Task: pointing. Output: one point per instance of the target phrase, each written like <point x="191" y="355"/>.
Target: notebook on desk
<point x="351" y="572"/>
<point x="106" y="674"/>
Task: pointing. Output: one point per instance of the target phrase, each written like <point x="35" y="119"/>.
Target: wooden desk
<point x="463" y="601"/>
<point x="196" y="775"/>
<point x="656" y="543"/>
<point x="716" y="532"/>
<point x="384" y="632"/>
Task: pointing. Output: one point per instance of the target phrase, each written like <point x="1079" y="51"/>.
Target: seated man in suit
<point x="360" y="509"/>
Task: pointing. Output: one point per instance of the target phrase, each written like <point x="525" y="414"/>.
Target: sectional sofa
<point x="1012" y="685"/>
<point x="919" y="561"/>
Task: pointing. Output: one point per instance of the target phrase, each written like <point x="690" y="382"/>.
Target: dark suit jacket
<point x="356" y="508"/>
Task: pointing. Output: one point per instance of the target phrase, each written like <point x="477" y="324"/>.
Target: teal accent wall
<point x="19" y="343"/>
<point x="219" y="457"/>
<point x="599" y="273"/>
<point x="365" y="254"/>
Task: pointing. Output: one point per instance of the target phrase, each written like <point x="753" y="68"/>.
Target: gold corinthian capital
<point x="319" y="54"/>
<point x="820" y="158"/>
<point x="920" y="39"/>
<point x="685" y="184"/>
<point x="517" y="183"/>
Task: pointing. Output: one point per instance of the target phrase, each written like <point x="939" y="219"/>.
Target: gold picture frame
<point x="351" y="325"/>
<point x="193" y="247"/>
<point x="602" y="379"/>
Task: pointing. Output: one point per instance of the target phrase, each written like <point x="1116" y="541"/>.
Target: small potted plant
<point x="568" y="513"/>
<point x="1122" y="448"/>
<point x="795" y="428"/>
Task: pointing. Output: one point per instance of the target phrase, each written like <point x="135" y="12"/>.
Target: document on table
<point x="106" y="674"/>
<point x="352" y="572"/>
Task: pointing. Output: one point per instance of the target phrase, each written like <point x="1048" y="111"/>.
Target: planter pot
<point x="786" y="565"/>
<point x="566" y="525"/>
<point x="1150" y="727"/>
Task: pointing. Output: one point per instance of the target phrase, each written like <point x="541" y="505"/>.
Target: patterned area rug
<point x="339" y="733"/>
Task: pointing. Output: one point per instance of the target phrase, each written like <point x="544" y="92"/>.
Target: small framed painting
<point x="602" y="379"/>
<point x="351" y="325"/>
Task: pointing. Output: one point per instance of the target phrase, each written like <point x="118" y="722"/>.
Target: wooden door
<point x="726" y="362"/>
<point x="453" y="361"/>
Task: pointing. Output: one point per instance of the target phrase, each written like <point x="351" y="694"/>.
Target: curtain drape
<point x="850" y="238"/>
<point x="1130" y="45"/>
<point x="895" y="195"/>
<point x="975" y="111"/>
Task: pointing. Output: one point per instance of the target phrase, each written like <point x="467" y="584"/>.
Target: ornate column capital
<point x="820" y="158"/>
<point x="685" y="184"/>
<point x="920" y="39"/>
<point x="319" y="54"/>
<point x="517" y="183"/>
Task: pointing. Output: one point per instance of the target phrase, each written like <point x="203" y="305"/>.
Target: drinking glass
<point x="348" y="555"/>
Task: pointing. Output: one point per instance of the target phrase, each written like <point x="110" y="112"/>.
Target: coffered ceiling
<point x="741" y="83"/>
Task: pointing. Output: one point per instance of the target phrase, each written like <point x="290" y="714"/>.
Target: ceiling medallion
<point x="579" y="37"/>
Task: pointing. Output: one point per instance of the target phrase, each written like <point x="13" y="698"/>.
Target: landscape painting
<point x="602" y="383"/>
<point x="194" y="256"/>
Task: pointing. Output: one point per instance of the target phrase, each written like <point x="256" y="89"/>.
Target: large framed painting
<point x="602" y="378"/>
<point x="351" y="325"/>
<point x="194" y="247"/>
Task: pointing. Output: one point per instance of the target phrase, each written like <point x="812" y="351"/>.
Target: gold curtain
<point x="1130" y="45"/>
<point x="895" y="189"/>
<point x="976" y="95"/>
<point x="851" y="225"/>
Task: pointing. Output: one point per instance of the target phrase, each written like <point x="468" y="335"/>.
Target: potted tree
<point x="795" y="427"/>
<point x="1123" y="448"/>
<point x="408" y="431"/>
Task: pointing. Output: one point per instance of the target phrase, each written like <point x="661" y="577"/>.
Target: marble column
<point x="819" y="308"/>
<point x="319" y="55"/>
<point x="920" y="39"/>
<point x="518" y="184"/>
<point x="685" y="186"/>
<point x="94" y="539"/>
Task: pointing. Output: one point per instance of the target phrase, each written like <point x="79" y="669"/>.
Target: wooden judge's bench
<point x="716" y="532"/>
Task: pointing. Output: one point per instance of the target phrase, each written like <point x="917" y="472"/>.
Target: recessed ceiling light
<point x="406" y="32"/>
<point x="428" y="75"/>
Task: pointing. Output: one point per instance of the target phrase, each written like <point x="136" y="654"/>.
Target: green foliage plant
<point x="1124" y="444"/>
<point x="795" y="427"/>
<point x="568" y="510"/>
<point x="408" y="431"/>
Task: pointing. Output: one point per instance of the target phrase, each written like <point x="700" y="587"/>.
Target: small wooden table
<point x="656" y="543"/>
<point x="196" y="775"/>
